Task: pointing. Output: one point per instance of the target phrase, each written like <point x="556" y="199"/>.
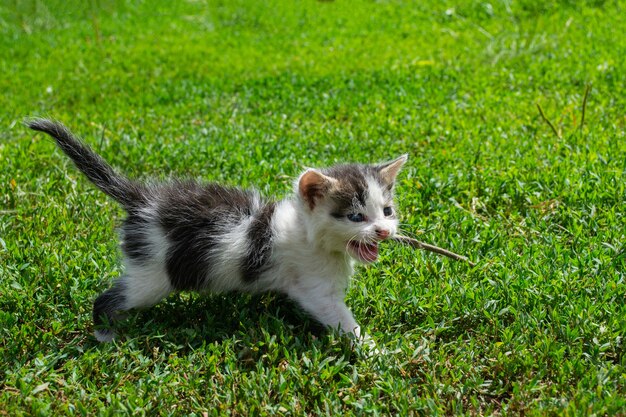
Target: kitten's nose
<point x="382" y="233"/>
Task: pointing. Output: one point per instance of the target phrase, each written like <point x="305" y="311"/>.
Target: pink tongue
<point x="368" y="252"/>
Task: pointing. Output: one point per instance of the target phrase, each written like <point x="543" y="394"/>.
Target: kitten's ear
<point x="389" y="171"/>
<point x="313" y="185"/>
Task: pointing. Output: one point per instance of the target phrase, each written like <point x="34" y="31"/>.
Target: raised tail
<point x="123" y="190"/>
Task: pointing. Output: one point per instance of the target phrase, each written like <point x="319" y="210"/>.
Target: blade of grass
<point x="584" y="107"/>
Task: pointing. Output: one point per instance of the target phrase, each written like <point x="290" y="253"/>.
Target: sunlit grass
<point x="249" y="93"/>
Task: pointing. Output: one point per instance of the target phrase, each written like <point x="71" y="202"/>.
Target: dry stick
<point x="548" y="121"/>
<point x="582" y="119"/>
<point x="431" y="248"/>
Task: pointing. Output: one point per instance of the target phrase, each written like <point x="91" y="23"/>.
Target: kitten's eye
<point x="387" y="211"/>
<point x="356" y="217"/>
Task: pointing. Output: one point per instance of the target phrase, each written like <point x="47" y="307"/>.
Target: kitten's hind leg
<point x="105" y="311"/>
<point x="134" y="290"/>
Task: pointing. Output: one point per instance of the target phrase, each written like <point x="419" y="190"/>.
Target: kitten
<point x="184" y="235"/>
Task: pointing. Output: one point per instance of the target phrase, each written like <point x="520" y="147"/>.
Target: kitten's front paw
<point x="370" y="345"/>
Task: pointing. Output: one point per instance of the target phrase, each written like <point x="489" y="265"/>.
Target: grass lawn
<point x="248" y="92"/>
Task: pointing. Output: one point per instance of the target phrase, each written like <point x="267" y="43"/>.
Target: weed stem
<point x="432" y="248"/>
<point x="543" y="115"/>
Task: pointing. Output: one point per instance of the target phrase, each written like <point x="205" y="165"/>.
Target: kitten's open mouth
<point x="364" y="252"/>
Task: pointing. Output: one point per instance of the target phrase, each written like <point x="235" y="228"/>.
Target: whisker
<point x="352" y="239"/>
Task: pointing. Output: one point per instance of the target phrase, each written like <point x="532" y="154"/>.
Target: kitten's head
<point x="350" y="207"/>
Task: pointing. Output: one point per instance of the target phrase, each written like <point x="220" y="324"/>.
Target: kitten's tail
<point x="123" y="190"/>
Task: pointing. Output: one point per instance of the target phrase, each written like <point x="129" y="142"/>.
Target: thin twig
<point x="582" y="119"/>
<point x="543" y="115"/>
<point x="431" y="248"/>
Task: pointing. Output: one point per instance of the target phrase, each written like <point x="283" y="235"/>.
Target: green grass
<point x="249" y="92"/>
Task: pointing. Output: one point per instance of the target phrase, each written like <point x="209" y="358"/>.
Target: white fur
<point x="148" y="283"/>
<point x="225" y="276"/>
<point x="307" y="271"/>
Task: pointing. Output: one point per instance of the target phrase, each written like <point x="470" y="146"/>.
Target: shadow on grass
<point x="190" y="321"/>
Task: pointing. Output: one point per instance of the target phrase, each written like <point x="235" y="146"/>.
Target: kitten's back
<point x="206" y="228"/>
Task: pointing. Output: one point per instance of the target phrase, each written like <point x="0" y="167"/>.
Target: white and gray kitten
<point x="185" y="235"/>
